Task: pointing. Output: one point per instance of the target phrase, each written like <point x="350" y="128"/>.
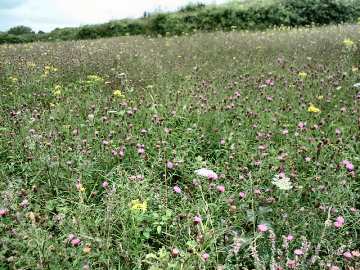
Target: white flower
<point x="357" y="85"/>
<point x="282" y="182"/>
<point x="207" y="173"/>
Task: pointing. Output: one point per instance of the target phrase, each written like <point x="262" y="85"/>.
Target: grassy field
<point x="100" y="143"/>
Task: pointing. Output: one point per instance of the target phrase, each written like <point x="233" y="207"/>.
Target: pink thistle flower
<point x="347" y="255"/>
<point x="242" y="194"/>
<point x="339" y="222"/>
<point x="298" y="252"/>
<point x="301" y="125"/>
<point x="177" y="189"/>
<point x="262" y="228"/>
<point x="105" y="184"/>
<point x="197" y="220"/>
<point x="289" y="238"/>
<point x="169" y="165"/>
<point x="75" y="242"/>
<point x="3" y="212"/>
<point x="205" y="256"/>
<point x="175" y="252"/>
<point x="291" y="264"/>
<point x="334" y="267"/>
<point x="220" y="188"/>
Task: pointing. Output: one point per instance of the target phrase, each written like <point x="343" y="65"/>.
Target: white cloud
<point x="49" y="14"/>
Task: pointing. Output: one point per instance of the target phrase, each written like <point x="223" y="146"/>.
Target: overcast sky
<point x="48" y="14"/>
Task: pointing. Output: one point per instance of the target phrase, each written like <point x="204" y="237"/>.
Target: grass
<point x="88" y="174"/>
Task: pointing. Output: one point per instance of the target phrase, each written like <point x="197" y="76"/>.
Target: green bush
<point x="257" y="15"/>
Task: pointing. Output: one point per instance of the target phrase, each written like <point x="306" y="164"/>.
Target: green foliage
<point x="249" y="15"/>
<point x="20" y="30"/>
<point x="116" y="172"/>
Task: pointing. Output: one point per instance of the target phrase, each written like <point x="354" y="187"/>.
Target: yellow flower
<point x="94" y="79"/>
<point x="348" y="42"/>
<point x="118" y="93"/>
<point x="313" y="109"/>
<point x="57" y="90"/>
<point x="302" y="75"/>
<point x="13" y="79"/>
<point x="320" y="97"/>
<point x="137" y="205"/>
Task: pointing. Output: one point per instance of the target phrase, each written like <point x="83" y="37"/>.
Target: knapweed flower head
<point x="262" y="228"/>
<point x="302" y="74"/>
<point x="348" y="165"/>
<point x="138" y="206"/>
<point x="197" y="220"/>
<point x="313" y="109"/>
<point x="348" y="43"/>
<point x="339" y="222"/>
<point x="205" y="256"/>
<point x="3" y="212"/>
<point x="207" y="173"/>
<point x="118" y="94"/>
<point x="282" y="182"/>
<point x="177" y="189"/>
<point x="220" y="188"/>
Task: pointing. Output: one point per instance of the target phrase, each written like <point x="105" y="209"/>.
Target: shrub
<point x="20" y="30"/>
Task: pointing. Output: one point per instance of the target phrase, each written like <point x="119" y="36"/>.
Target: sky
<point x="47" y="15"/>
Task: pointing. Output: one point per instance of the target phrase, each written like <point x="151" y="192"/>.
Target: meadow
<point x="223" y="150"/>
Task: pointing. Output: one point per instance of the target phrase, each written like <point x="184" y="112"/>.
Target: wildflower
<point x="175" y="252"/>
<point x="105" y="184"/>
<point x="262" y="228"/>
<point x="57" y="90"/>
<point x="334" y="267"/>
<point x="24" y="203"/>
<point x="289" y="238"/>
<point x="357" y="85"/>
<point x="313" y="109"/>
<point x="3" y="212"/>
<point x="137" y="205"/>
<point x="205" y="256"/>
<point x="282" y="182"/>
<point x="348" y="42"/>
<point x="340" y="221"/>
<point x="242" y="194"/>
<point x="301" y="125"/>
<point x="348" y="165"/>
<point x="118" y="93"/>
<point x="170" y="165"/>
<point x="291" y="264"/>
<point x="75" y="242"/>
<point x="347" y="255"/>
<point x="302" y="75"/>
<point x="177" y="189"/>
<point x="220" y="188"/>
<point x="207" y="173"/>
<point x="298" y="252"/>
<point x="197" y="220"/>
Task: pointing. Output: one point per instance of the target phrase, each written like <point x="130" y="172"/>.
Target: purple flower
<point x="262" y="228"/>
<point x="177" y="189"/>
<point x="3" y="212"/>
<point x="205" y="256"/>
<point x="170" y="165"/>
<point x="220" y="188"/>
<point x="105" y="184"/>
<point x="197" y="220"/>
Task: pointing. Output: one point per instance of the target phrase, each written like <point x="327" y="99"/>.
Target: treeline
<point x="205" y="18"/>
